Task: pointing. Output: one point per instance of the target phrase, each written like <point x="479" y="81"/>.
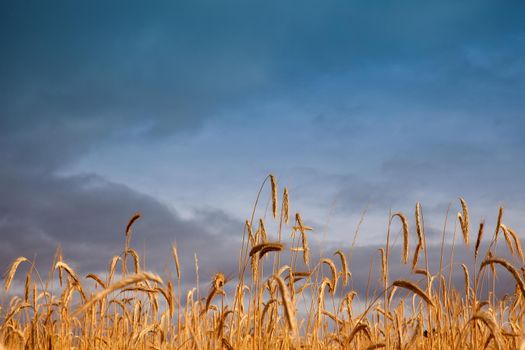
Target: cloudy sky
<point x="179" y="110"/>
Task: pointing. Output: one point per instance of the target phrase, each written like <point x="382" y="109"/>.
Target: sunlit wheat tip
<point x="465" y="221"/>
<point x="274" y="195"/>
<point x="175" y="255"/>
<point x="286" y="206"/>
<point x="478" y="239"/>
<point x="131" y="221"/>
<point x="419" y="226"/>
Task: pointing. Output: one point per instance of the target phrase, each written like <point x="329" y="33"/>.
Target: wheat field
<point x="282" y="297"/>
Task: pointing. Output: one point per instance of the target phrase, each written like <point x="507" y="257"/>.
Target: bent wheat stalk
<point x="118" y="285"/>
<point x="509" y="268"/>
<point x="415" y="289"/>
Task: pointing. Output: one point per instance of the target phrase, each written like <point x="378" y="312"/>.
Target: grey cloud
<point x="77" y="74"/>
<point x="86" y="215"/>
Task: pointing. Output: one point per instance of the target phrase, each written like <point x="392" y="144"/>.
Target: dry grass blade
<point x="415" y="289"/>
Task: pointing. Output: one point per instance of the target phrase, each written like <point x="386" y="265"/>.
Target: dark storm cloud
<point x="172" y="64"/>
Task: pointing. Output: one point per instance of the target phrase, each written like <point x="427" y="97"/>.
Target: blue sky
<point x="180" y="109"/>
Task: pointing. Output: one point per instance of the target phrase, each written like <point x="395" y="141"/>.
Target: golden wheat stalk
<point x="96" y="279"/>
<point x="478" y="240"/>
<point x="419" y="226"/>
<point x="406" y="229"/>
<point x="508" y="238"/>
<point x="12" y="271"/>
<point x="131" y="221"/>
<point x="274" y="195"/>
<point x="467" y="281"/>
<point x="488" y="319"/>
<point x="415" y="289"/>
<point x="267" y="247"/>
<point x="464" y="220"/>
<point x="517" y="243"/>
<point x="262" y="231"/>
<point x="320" y="298"/>
<point x="344" y="267"/>
<point x="498" y="223"/>
<point x="508" y="266"/>
<point x="175" y="259"/>
<point x="333" y="280"/>
<point x="68" y="269"/>
<point x="132" y="279"/>
<point x="361" y="327"/>
<point x="383" y="264"/>
<point x="136" y="259"/>
<point x="286" y="206"/>
<point x="289" y="311"/>
<point x="416" y="257"/>
<point x="251" y="237"/>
